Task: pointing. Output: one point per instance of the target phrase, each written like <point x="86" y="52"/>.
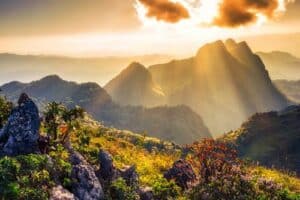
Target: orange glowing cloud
<point x="234" y="13"/>
<point x="165" y="10"/>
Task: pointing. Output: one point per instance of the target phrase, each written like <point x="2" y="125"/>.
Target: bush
<point x="61" y="168"/>
<point x="224" y="176"/>
<point x="165" y="190"/>
<point x="24" y="177"/>
<point x="120" y="190"/>
<point x="59" y="119"/>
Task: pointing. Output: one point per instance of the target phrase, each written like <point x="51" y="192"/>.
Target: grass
<point x="286" y="180"/>
<point x="150" y="156"/>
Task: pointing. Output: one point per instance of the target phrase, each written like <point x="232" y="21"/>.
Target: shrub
<point x="224" y="176"/>
<point x="120" y="190"/>
<point x="59" y="119"/>
<point x="165" y="190"/>
<point x="24" y="177"/>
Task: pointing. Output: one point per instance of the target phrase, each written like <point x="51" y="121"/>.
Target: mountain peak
<point x="245" y="47"/>
<point x="230" y="44"/>
<point x="216" y="47"/>
<point x="51" y="78"/>
<point x="135" y="66"/>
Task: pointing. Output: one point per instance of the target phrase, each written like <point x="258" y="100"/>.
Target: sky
<point x="136" y="27"/>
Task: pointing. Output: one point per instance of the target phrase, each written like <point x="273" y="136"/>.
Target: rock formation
<point x="59" y="193"/>
<point x="86" y="185"/>
<point x="21" y="133"/>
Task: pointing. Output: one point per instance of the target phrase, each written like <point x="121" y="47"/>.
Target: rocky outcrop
<point x="21" y="133"/>
<point x="108" y="171"/>
<point x="182" y="173"/>
<point x="146" y="193"/>
<point x="85" y="184"/>
<point x="59" y="193"/>
<point x="130" y="175"/>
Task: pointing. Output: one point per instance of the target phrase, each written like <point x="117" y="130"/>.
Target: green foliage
<point x="59" y="119"/>
<point x="165" y="190"/>
<point x="24" y="177"/>
<point x="120" y="190"/>
<point x="5" y="110"/>
<point x="61" y="168"/>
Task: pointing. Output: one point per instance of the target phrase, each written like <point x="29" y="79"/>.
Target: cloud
<point x="165" y="10"/>
<point x="234" y="13"/>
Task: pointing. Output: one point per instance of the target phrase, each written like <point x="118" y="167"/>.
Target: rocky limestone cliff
<point x="21" y="133"/>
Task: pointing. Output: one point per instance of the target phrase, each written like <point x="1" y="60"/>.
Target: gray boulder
<point x="59" y="193"/>
<point x="21" y="133"/>
<point x="108" y="172"/>
<point x="130" y="175"/>
<point x="85" y="184"/>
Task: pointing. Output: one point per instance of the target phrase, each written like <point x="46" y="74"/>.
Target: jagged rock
<point x="85" y="184"/>
<point x="146" y="193"/>
<point x="59" y="193"/>
<point x="130" y="175"/>
<point x="183" y="174"/>
<point x="77" y="159"/>
<point x="21" y="133"/>
<point x="108" y="171"/>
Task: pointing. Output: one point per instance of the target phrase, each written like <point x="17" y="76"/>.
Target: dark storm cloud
<point x="165" y="10"/>
<point x="40" y="17"/>
<point x="235" y="13"/>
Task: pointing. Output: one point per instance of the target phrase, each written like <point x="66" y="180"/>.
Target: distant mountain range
<point x="177" y="123"/>
<point x="290" y="88"/>
<point x="270" y="138"/>
<point x="27" y="68"/>
<point x="223" y="79"/>
<point x="287" y="42"/>
<point x="224" y="83"/>
<point x="281" y="65"/>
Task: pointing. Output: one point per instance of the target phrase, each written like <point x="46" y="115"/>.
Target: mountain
<point x="134" y="86"/>
<point x="53" y="88"/>
<point x="270" y="138"/>
<point x="290" y="88"/>
<point x="281" y="65"/>
<point x="223" y="79"/>
<point x="98" y="69"/>
<point x="177" y="123"/>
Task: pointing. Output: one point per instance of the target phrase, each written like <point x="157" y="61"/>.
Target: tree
<point x="59" y="119"/>
<point x="222" y="174"/>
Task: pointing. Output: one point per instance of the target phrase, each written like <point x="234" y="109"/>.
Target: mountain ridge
<point x="220" y="81"/>
<point x="165" y="122"/>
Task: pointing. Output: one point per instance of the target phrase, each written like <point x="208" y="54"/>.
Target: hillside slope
<point x="270" y="138"/>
